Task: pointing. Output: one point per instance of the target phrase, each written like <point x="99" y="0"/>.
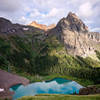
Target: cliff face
<point x="41" y="26"/>
<point x="76" y="36"/>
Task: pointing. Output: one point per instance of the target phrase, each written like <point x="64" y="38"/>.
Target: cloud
<point x="88" y="22"/>
<point x="23" y="20"/>
<point x="50" y="11"/>
<point x="54" y="12"/>
<point x="85" y="10"/>
<point x="96" y="29"/>
<point x="35" y="13"/>
<point x="9" y="5"/>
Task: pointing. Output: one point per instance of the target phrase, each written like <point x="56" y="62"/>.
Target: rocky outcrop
<point x="41" y="26"/>
<point x="76" y="37"/>
<point x="89" y="90"/>
<point x="72" y="23"/>
<point x="7" y="27"/>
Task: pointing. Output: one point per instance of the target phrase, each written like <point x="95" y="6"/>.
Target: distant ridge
<point x="7" y="27"/>
<point x="41" y="26"/>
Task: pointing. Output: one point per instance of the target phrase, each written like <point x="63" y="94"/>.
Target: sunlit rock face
<point x="41" y="26"/>
<point x="76" y="36"/>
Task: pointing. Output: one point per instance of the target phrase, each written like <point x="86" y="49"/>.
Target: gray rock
<point x="7" y="27"/>
<point x="74" y="34"/>
<point x="89" y="90"/>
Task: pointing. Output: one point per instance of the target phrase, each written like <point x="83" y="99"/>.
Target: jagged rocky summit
<point x="76" y="37"/>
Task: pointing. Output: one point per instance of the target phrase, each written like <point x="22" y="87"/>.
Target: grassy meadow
<point x="61" y="97"/>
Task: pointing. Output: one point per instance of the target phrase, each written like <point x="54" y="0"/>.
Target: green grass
<point x="61" y="97"/>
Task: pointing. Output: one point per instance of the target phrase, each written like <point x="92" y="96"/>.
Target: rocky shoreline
<point x="89" y="90"/>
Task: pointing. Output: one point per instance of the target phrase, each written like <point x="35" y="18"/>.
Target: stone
<point x="76" y="37"/>
<point x="89" y="90"/>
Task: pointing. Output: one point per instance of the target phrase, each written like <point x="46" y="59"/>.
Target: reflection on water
<point x="55" y="86"/>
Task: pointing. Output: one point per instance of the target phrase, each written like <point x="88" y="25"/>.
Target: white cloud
<point x="24" y="20"/>
<point x="9" y="5"/>
<point x="88" y="22"/>
<point x="50" y="11"/>
<point x="96" y="29"/>
<point x="35" y="13"/>
<point x="53" y="13"/>
<point x="85" y="10"/>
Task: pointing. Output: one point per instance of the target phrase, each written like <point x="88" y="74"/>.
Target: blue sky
<point x="51" y="11"/>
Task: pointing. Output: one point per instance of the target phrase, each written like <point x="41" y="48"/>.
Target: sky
<point x="51" y="11"/>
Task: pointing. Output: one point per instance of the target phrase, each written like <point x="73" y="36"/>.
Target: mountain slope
<point x="76" y="37"/>
<point x="35" y="53"/>
<point x="8" y="28"/>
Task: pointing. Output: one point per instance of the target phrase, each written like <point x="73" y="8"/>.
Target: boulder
<point x="89" y="90"/>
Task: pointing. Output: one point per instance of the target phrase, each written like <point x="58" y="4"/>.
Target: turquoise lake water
<point x="55" y="86"/>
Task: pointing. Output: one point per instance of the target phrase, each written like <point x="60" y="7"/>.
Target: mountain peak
<point x="41" y="26"/>
<point x="74" y="34"/>
<point x="73" y="15"/>
<point x="76" y="23"/>
<point x="34" y="22"/>
<point x="73" y="23"/>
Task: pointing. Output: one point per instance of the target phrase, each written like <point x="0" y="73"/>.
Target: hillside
<point x="28" y="51"/>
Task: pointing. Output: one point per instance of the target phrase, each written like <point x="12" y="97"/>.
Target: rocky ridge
<point x="76" y="37"/>
<point x="7" y="27"/>
<point x="41" y="26"/>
